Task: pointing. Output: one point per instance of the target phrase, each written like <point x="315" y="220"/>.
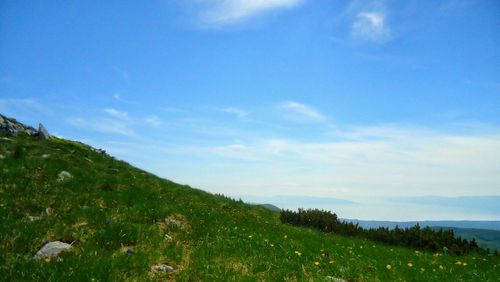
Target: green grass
<point x="109" y="206"/>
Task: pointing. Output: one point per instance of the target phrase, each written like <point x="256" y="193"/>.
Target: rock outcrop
<point x="13" y="127"/>
<point x="43" y="134"/>
<point x="52" y="249"/>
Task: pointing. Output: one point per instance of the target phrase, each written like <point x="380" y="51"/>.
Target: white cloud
<point x="368" y="161"/>
<point x="104" y="125"/>
<point x="13" y="106"/>
<point x="116" y="113"/>
<point x="118" y="96"/>
<point x="236" y="111"/>
<point x="371" y="26"/>
<point x="217" y="13"/>
<point x="300" y="112"/>
<point x="153" y="120"/>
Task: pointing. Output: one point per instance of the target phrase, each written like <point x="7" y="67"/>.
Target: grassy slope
<point x="221" y="239"/>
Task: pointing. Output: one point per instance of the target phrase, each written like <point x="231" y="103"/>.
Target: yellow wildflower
<point x="464" y="264"/>
<point x="47" y="259"/>
<point x="250" y="236"/>
<point x="388" y="266"/>
<point x="410" y="264"/>
<point x="422" y="269"/>
<point x="284" y="237"/>
<point x="316" y="263"/>
<point x="441" y="267"/>
<point x="331" y="261"/>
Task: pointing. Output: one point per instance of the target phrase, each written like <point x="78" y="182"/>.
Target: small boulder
<point x="161" y="268"/>
<point x="63" y="175"/>
<point x="335" y="279"/>
<point x="33" y="218"/>
<point x="43" y="134"/>
<point x="173" y="222"/>
<point x="49" y="211"/>
<point x="52" y="249"/>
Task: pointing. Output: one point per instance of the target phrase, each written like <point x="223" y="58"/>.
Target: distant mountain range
<point x="486" y="233"/>
<point x="491" y="225"/>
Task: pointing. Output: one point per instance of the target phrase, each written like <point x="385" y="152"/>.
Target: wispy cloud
<point x="13" y="106"/>
<point x="300" y="112"/>
<point x="116" y="113"/>
<point x="104" y="125"/>
<point x="118" y="97"/>
<point x="236" y="111"/>
<point x="153" y="120"/>
<point x="371" y="26"/>
<point x="220" y="13"/>
<point x="367" y="161"/>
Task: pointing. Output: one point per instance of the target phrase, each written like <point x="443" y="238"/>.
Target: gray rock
<point x="173" y="222"/>
<point x="52" y="249"/>
<point x="162" y="268"/>
<point x="49" y="211"/>
<point x="43" y="134"/>
<point x="13" y="127"/>
<point x="63" y="175"/>
<point x="335" y="279"/>
<point x="33" y="218"/>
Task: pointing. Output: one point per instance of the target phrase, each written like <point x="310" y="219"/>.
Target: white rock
<point x="161" y="267"/>
<point x="335" y="279"/>
<point x="33" y="218"/>
<point x="63" y="175"/>
<point x="52" y="249"/>
<point x="49" y="210"/>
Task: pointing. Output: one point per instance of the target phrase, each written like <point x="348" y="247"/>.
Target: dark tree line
<point x="414" y="237"/>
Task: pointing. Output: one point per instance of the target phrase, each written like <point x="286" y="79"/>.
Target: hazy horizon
<point x="390" y="105"/>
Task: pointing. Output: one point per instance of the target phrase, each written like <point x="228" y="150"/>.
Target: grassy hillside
<point x="115" y="217"/>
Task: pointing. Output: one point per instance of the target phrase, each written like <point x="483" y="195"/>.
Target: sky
<point x="362" y="107"/>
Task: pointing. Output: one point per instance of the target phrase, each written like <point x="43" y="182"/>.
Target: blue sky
<point x="356" y="100"/>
